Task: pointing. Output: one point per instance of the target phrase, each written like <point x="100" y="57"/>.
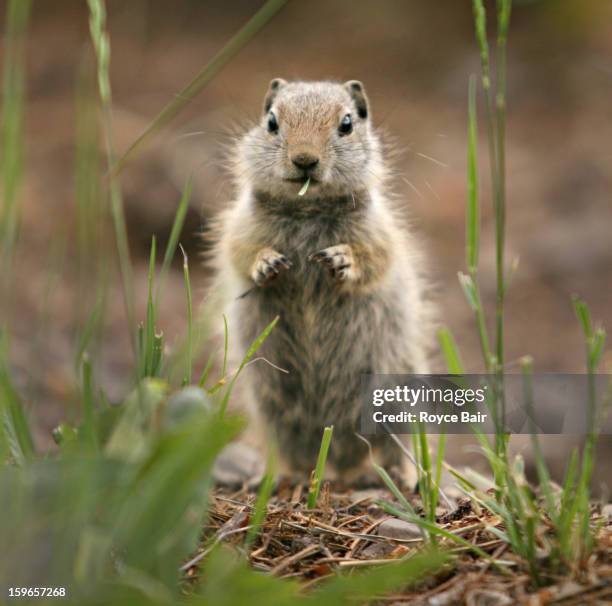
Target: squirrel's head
<point x="317" y="131"/>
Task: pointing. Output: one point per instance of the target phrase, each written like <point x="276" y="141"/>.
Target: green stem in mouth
<point x="304" y="187"/>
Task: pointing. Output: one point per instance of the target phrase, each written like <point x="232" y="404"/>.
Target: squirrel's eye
<point x="272" y="123"/>
<point x="346" y="125"/>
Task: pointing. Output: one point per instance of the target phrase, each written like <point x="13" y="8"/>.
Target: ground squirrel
<point x="336" y="262"/>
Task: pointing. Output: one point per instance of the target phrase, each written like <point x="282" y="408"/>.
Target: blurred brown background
<point x="414" y="57"/>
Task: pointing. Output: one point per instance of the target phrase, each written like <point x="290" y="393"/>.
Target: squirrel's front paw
<point x="268" y="265"/>
<point x="338" y="260"/>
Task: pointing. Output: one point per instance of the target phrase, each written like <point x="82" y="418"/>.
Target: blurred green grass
<point x="115" y="512"/>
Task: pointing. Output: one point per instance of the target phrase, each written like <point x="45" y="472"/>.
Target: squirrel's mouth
<point x="301" y="180"/>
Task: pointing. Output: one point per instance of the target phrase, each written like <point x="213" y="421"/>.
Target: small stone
<point x="488" y="597"/>
<point x="366" y="496"/>
<point x="392" y="528"/>
<point x="236" y="464"/>
<point x="449" y="597"/>
<point x="375" y="511"/>
<point x="299" y="543"/>
<point x="377" y="551"/>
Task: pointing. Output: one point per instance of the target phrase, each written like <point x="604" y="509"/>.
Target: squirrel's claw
<point x="338" y="260"/>
<point x="268" y="265"/>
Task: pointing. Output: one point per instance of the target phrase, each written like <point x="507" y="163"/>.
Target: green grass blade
<point x="11" y="145"/>
<point x="503" y="22"/>
<point x="434" y="529"/>
<point x="173" y="480"/>
<point x="495" y="132"/>
<point x="597" y="348"/>
<point x="317" y="478"/>
<point x="463" y="481"/>
<point x="87" y="429"/>
<point x="450" y="351"/>
<point x="541" y="468"/>
<point x="261" y="504"/>
<point x="149" y="333"/>
<point x="207" y="368"/>
<point x="189" y="354"/>
<point x="439" y="465"/>
<point x="473" y="207"/>
<point x="426" y="489"/>
<point x="470" y="283"/>
<point x="175" y="233"/>
<point x="91" y="216"/>
<point x="225" y="347"/>
<point x="469" y="289"/>
<point x="480" y="21"/>
<point x="101" y="44"/>
<point x="187" y="94"/>
<point x="91" y="326"/>
<point x="304" y="187"/>
<point x="584" y="317"/>
<point x="257" y="343"/>
<point x="230" y="582"/>
<point x="158" y="352"/>
<point x="397" y="493"/>
<point x="15" y="427"/>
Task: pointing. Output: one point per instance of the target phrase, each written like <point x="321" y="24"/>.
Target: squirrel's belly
<point x="325" y="340"/>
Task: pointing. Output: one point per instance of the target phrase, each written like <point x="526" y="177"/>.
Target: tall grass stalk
<point x="568" y="509"/>
<point x="91" y="213"/>
<point x="16" y="441"/>
<point x="187" y="94"/>
<point x="11" y="145"/>
<point x="101" y="44"/>
<point x="470" y="282"/>
<point x="503" y="21"/>
<point x="565" y="512"/>
<point x="495" y="113"/>
<point x="594" y="342"/>
<point x="428" y="489"/>
<point x="90" y="216"/>
<point x="521" y="510"/>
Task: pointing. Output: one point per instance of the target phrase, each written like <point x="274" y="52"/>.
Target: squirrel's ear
<point x="275" y="86"/>
<point x="359" y="97"/>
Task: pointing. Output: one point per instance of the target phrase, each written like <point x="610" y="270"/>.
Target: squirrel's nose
<point x="304" y="160"/>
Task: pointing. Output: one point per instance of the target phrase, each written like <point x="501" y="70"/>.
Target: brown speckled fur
<point x="356" y="307"/>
